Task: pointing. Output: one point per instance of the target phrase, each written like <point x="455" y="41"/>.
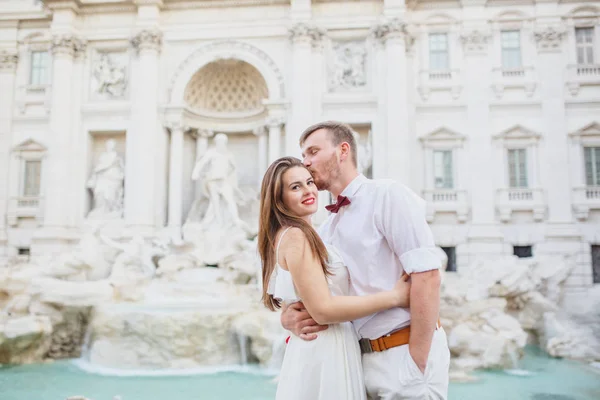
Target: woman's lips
<point x="309" y="201"/>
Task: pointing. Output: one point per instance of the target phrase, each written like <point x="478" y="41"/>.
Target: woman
<point x="297" y="265"/>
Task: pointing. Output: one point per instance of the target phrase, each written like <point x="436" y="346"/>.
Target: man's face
<point x="321" y="158"/>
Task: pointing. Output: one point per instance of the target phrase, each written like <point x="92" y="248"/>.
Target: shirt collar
<point x="353" y="186"/>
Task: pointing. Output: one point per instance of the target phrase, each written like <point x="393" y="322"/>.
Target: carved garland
<point x="228" y="46"/>
<point x="8" y="60"/>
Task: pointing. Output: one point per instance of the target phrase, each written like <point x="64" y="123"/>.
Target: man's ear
<point x="344" y="151"/>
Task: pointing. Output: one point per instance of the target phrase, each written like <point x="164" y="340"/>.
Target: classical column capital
<point x="549" y="38"/>
<point x="147" y="39"/>
<point x="274" y="122"/>
<point x="394" y="28"/>
<point x="260" y="131"/>
<point x="69" y="45"/>
<point x="176" y="125"/>
<point x="8" y="60"/>
<point x="475" y="41"/>
<point x="205" y="133"/>
<point x="306" y="33"/>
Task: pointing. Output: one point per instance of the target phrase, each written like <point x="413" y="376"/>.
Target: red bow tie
<point x="341" y="202"/>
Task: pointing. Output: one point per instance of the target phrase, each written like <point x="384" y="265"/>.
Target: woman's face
<point x="299" y="192"/>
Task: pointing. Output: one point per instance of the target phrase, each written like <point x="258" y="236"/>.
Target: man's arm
<point x="297" y="320"/>
<point x="424" y="312"/>
<point x="401" y="219"/>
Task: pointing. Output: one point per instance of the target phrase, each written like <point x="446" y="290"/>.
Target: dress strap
<point x="279" y="244"/>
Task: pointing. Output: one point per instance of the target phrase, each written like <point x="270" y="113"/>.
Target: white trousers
<point x="393" y="375"/>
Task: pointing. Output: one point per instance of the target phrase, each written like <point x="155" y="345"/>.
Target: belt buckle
<point x="365" y="346"/>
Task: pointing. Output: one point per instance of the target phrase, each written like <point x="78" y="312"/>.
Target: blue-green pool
<point x="549" y="379"/>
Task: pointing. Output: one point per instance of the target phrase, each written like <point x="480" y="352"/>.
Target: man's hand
<point x="297" y="320"/>
<point x="424" y="311"/>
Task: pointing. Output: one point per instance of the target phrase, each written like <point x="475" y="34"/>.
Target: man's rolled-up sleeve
<point x="402" y="221"/>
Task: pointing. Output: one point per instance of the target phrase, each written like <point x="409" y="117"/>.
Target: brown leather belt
<point x="398" y="338"/>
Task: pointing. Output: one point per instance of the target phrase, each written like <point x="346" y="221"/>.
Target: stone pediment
<point x="30" y="146"/>
<point x="592" y="129"/>
<point x="517" y="132"/>
<point x="442" y="133"/>
<point x="443" y="137"/>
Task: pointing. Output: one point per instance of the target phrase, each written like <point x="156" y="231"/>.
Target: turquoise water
<point x="549" y="379"/>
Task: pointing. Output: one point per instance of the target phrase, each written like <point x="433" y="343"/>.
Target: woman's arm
<point x="311" y="284"/>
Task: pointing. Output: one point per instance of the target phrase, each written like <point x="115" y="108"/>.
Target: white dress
<point x="329" y="367"/>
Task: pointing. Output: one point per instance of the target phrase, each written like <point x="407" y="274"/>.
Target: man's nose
<point x="306" y="162"/>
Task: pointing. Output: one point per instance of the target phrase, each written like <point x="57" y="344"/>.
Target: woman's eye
<point x="311" y="182"/>
<point x="294" y="187"/>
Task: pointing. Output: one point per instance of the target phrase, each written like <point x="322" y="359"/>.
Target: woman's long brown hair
<point x="273" y="216"/>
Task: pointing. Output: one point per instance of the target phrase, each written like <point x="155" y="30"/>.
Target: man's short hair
<point x="338" y="132"/>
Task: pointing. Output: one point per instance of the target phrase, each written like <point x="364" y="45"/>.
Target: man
<point x="379" y="227"/>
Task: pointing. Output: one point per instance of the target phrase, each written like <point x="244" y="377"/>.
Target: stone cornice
<point x="147" y="39"/>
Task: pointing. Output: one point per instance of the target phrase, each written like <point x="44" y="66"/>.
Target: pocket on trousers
<point x="409" y="372"/>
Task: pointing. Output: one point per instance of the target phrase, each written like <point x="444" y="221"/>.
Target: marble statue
<point x="365" y="154"/>
<point x="136" y="262"/>
<point x="90" y="260"/>
<point x="216" y="170"/>
<point x="106" y="184"/>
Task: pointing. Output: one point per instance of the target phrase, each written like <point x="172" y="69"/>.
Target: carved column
<point x="553" y="149"/>
<point x="302" y="36"/>
<point x="176" y="176"/>
<point x="77" y="193"/>
<point x="8" y="66"/>
<point x="482" y="186"/>
<point x="261" y="133"/>
<point x="394" y="37"/>
<point x="142" y="138"/>
<point x="57" y="167"/>
<point x="274" y="125"/>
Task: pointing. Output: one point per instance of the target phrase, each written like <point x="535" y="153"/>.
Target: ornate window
<point x="439" y="59"/>
<point x="39" y="68"/>
<point x="592" y="165"/>
<point x="517" y="168"/>
<point x="519" y="190"/>
<point x="511" y="49"/>
<point x="443" y="192"/>
<point x="584" y="40"/>
<point x="585" y="147"/>
<point x="443" y="170"/>
<point x="25" y="200"/>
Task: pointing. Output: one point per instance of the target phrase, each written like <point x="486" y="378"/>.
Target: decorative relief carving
<point x="109" y="75"/>
<point x="232" y="48"/>
<point x="147" y="39"/>
<point x="475" y="42"/>
<point x="68" y="44"/>
<point x="227" y="86"/>
<point x="347" y="68"/>
<point x="8" y="60"/>
<point x="549" y="38"/>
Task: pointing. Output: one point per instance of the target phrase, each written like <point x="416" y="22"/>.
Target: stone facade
<point x="486" y="110"/>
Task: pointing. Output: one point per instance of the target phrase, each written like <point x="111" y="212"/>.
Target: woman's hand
<point x="401" y="291"/>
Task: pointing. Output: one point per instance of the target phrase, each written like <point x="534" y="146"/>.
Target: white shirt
<point x="380" y="234"/>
